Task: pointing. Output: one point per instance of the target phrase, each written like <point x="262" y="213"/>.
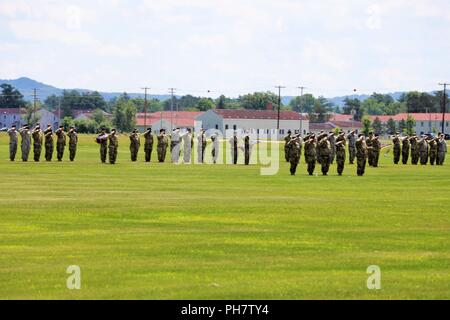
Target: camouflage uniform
<point x="25" y="144"/>
<point x="135" y="144"/>
<point x="376" y="148"/>
<point x="13" y="143"/>
<point x="295" y="151"/>
<point x="405" y="150"/>
<point x="324" y="155"/>
<point x="162" y="147"/>
<point x="49" y="145"/>
<point x="37" y="143"/>
<point x="369" y="141"/>
<point x="113" y="147"/>
<point x="397" y="149"/>
<point x="433" y="151"/>
<point x="361" y="156"/>
<point x="423" y="149"/>
<point x="310" y="155"/>
<point x="287" y="139"/>
<point x="352" y="147"/>
<point x="332" y="140"/>
<point x="442" y="150"/>
<point x="102" y="139"/>
<point x="414" y="151"/>
<point x="340" y="154"/>
<point x="73" y="142"/>
<point x="60" y="143"/>
<point x="148" y="146"/>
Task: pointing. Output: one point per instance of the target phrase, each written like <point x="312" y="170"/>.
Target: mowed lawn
<point x="160" y="231"/>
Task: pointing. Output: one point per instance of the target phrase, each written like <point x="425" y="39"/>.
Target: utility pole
<point x="172" y="91"/>
<point x="301" y="109"/>
<point x="279" y="108"/>
<point x="145" y="107"/>
<point x="34" y="102"/>
<point x="444" y="105"/>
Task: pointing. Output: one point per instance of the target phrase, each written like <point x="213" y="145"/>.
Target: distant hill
<point x="27" y="85"/>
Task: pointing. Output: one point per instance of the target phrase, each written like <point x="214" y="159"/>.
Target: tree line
<point x="123" y="109"/>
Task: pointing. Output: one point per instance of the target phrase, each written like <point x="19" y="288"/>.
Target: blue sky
<point x="228" y="46"/>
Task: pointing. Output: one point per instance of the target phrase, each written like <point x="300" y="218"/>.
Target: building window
<point x="226" y="127"/>
<point x="217" y="127"/>
<point x="446" y="124"/>
<point x="234" y="127"/>
<point x="421" y="124"/>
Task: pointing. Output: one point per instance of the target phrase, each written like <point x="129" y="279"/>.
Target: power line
<point x="172" y="92"/>
<point x="279" y="107"/>
<point x="145" y="107"/>
<point x="444" y="105"/>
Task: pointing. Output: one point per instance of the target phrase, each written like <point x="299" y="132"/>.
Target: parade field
<point x="161" y="231"/>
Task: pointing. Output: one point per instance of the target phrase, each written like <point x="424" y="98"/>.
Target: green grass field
<point x="159" y="231"/>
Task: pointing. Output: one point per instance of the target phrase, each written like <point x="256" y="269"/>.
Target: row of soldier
<point x="325" y="148"/>
<point x="422" y="149"/>
<point x="179" y="143"/>
<point x="39" y="138"/>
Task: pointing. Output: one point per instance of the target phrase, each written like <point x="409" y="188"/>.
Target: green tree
<point x="321" y="110"/>
<point x="410" y="126"/>
<point x="391" y="126"/>
<point x="303" y="104"/>
<point x="67" y="122"/>
<point x="402" y="126"/>
<point x="258" y="100"/>
<point x="353" y="105"/>
<point x="221" y="102"/>
<point x="377" y="126"/>
<point x="366" y="126"/>
<point x="205" y="104"/>
<point x="31" y="117"/>
<point x="124" y="115"/>
<point x="11" y="97"/>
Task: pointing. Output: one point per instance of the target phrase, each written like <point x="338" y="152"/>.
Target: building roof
<point x="11" y="111"/>
<point x="180" y="118"/>
<point x="258" y="114"/>
<point x="341" y="117"/>
<point x="416" y="116"/>
<point x="330" y="125"/>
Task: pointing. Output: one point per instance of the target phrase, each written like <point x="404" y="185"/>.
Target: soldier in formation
<point x="48" y="143"/>
<point x="163" y="143"/>
<point x="135" y="144"/>
<point x="234" y="148"/>
<point x="295" y="151"/>
<point x="324" y="154"/>
<point x="442" y="150"/>
<point x="423" y="150"/>
<point x="311" y="153"/>
<point x="25" y="145"/>
<point x="406" y="146"/>
<point x="397" y="148"/>
<point x="414" y="150"/>
<point x="148" y="145"/>
<point x="201" y="146"/>
<point x="215" y="147"/>
<point x="187" y="146"/>
<point x="13" y="142"/>
<point x="73" y="142"/>
<point x="340" y="153"/>
<point x="332" y="140"/>
<point x="60" y="143"/>
<point x="369" y="149"/>
<point x="113" y="146"/>
<point x="287" y="140"/>
<point x="351" y="137"/>
<point x="375" y="150"/>
<point x="361" y="154"/>
<point x="38" y="140"/>
<point x="102" y="140"/>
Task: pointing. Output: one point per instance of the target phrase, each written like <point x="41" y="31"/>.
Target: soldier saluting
<point x="311" y="153"/>
<point x="295" y="150"/>
<point x="48" y="137"/>
<point x="361" y="154"/>
<point x="340" y="153"/>
<point x="13" y="142"/>
<point x="113" y="146"/>
<point x="148" y="146"/>
<point x="38" y="139"/>
<point x="102" y="140"/>
<point x="352" y="146"/>
<point x="60" y="143"/>
<point x="135" y="144"/>
<point x="162" y="145"/>
<point x="397" y="148"/>
<point x="26" y="142"/>
<point x="73" y="142"/>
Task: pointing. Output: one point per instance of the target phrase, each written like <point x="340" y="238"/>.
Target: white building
<point x="425" y="122"/>
<point x="9" y="117"/>
<point x="255" y="121"/>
